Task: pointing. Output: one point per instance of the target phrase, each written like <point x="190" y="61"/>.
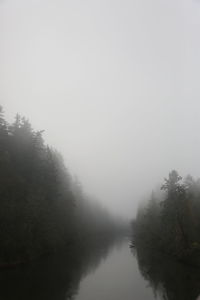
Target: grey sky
<point x="115" y="84"/>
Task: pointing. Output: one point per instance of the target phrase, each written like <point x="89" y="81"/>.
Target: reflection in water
<point x="55" y="277"/>
<point x="169" y="280"/>
<point x="58" y="277"/>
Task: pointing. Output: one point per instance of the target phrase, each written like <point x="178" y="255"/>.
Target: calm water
<point x="116" y="278"/>
<point x="109" y="272"/>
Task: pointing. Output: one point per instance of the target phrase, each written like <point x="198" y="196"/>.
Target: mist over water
<point x="99" y="149"/>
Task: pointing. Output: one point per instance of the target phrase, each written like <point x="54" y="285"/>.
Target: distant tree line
<point x="170" y="222"/>
<point x="41" y="207"/>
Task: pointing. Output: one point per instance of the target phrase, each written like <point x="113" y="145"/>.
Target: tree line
<point x="170" y="222"/>
<point x="42" y="207"/>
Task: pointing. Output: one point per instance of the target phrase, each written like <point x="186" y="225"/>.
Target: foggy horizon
<point x="115" y="87"/>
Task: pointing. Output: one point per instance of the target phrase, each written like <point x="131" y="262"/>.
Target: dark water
<point x="116" y="278"/>
<point x="109" y="271"/>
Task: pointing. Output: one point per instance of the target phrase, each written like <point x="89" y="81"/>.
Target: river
<point x="107" y="272"/>
<point x="116" y="278"/>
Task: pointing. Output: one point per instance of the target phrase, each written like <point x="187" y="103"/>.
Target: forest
<point x="42" y="207"/>
<point x="169" y="223"/>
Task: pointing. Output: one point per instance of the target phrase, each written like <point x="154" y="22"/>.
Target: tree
<point x="174" y="212"/>
<point x="172" y="184"/>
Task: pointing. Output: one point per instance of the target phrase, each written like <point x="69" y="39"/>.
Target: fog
<point x="114" y="84"/>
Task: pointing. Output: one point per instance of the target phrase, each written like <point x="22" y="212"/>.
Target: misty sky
<point x="115" y="85"/>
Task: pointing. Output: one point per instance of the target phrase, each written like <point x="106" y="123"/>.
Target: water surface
<point x="107" y="271"/>
<point x="116" y="278"/>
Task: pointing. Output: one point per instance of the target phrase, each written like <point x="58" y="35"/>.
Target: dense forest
<point x="170" y="222"/>
<point x="42" y="208"/>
